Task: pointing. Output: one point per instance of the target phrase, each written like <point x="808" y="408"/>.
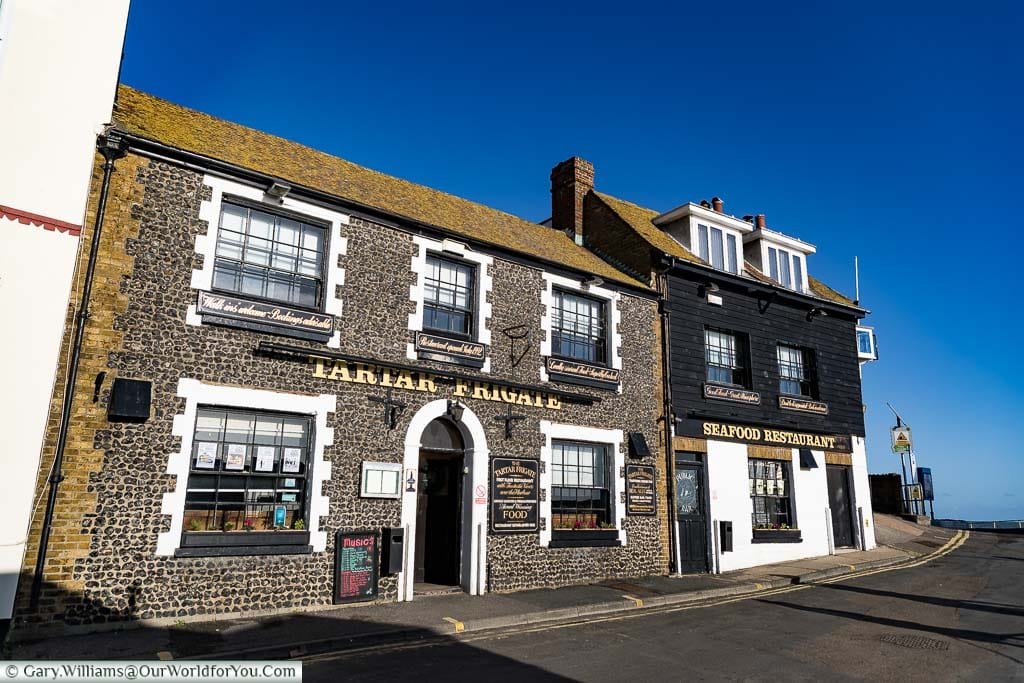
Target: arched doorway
<point x="439" y="508"/>
<point x="446" y="465"/>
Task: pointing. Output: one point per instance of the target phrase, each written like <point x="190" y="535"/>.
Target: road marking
<point x="636" y="601"/>
<point x="459" y="626"/>
<point x="955" y="542"/>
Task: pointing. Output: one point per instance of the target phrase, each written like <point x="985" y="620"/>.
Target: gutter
<point x="667" y="418"/>
<point x="204" y="164"/>
<point x="112" y="146"/>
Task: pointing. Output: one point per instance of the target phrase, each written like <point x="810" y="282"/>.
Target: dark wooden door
<point x="841" y="505"/>
<point x="690" y="504"/>
<point x="439" y="519"/>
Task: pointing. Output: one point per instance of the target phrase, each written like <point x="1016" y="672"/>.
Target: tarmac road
<point x="957" y="617"/>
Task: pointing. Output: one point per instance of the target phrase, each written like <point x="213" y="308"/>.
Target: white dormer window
<point x="786" y="268"/>
<point x="718" y="247"/>
<point x="866" y="346"/>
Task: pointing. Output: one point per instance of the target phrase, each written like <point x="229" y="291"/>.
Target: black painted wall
<point x="832" y="337"/>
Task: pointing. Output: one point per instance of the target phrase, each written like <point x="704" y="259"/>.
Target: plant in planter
<point x="607" y="525"/>
<point x="229" y="526"/>
<point x="248" y="525"/>
<point x="298" y="525"/>
<point x="195" y="525"/>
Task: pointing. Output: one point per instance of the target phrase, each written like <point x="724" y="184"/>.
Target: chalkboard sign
<point x="640" y="492"/>
<point x="356" y="567"/>
<point x="515" y="485"/>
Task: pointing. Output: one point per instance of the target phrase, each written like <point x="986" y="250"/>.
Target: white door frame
<point x="473" y="547"/>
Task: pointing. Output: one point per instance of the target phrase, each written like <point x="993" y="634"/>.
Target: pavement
<point x="955" y="615"/>
<point x="309" y="633"/>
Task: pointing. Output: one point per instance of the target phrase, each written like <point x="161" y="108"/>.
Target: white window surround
<point x="484" y="284"/>
<point x="610" y="296"/>
<point x="206" y="245"/>
<point x="793" y="254"/>
<point x="198" y="393"/>
<point x="613" y="438"/>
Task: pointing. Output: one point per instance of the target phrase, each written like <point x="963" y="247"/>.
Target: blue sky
<point x="887" y="132"/>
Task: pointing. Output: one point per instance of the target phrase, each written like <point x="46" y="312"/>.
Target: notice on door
<point x="356" y="569"/>
<point x="640" y="492"/>
<point x="515" y="486"/>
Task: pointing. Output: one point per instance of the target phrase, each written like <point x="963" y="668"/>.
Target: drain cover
<point x="915" y="642"/>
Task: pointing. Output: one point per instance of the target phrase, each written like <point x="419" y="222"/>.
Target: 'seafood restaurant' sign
<point x="776" y="437"/>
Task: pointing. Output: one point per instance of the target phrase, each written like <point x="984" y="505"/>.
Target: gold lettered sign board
<point x="641" y="494"/>
<point x="257" y="312"/>
<point x="515" y="487"/>
<point x="382" y="375"/>
<point x="803" y="405"/>
<point x="432" y="343"/>
<point x="734" y="394"/>
<point x="776" y="437"/>
<point x="578" y="370"/>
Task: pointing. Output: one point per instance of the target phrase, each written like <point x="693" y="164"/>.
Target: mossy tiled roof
<point x="641" y="220"/>
<point x="156" y="119"/>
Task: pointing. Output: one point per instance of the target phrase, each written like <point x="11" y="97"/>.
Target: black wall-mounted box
<point x="393" y="550"/>
<point x="725" y="536"/>
<point x="129" y="400"/>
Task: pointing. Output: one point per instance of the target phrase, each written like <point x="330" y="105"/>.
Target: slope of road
<point x="957" y="616"/>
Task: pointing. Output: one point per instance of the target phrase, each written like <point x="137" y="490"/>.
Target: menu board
<point x="640" y="491"/>
<point x="356" y="569"/>
<point x="515" y="486"/>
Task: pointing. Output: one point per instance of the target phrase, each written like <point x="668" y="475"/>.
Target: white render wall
<point x="729" y="500"/>
<point x="58" y="70"/>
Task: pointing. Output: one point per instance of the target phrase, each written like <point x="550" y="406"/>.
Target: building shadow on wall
<point x="331" y="647"/>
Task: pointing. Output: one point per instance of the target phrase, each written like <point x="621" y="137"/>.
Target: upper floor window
<point x="580" y="493"/>
<point x="786" y="268"/>
<point x="578" y="328"/>
<point x="718" y="248"/>
<point x="448" y="296"/>
<point x="866" y="347"/>
<point x="726" y="357"/>
<point x="270" y="257"/>
<point x="795" y="371"/>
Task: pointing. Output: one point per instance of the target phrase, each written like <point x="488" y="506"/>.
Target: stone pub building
<point x="764" y="390"/>
<point x="286" y="351"/>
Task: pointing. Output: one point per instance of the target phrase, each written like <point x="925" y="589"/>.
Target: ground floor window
<point x="770" y="493"/>
<point x="580" y="491"/>
<point x="248" y="471"/>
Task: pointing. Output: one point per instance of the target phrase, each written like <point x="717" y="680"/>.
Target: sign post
<point x="901" y="445"/>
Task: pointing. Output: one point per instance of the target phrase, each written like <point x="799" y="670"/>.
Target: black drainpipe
<point x="668" y="414"/>
<point x="112" y="147"/>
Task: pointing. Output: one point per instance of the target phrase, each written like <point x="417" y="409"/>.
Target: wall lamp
<point x="593" y="281"/>
<point x="454" y="410"/>
<point x="815" y="312"/>
<point x="278" y="190"/>
<point x="707" y="288"/>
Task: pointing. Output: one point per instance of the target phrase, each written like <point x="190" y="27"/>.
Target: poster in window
<point x="264" y="458"/>
<point x="235" y="459"/>
<point x="760" y="487"/>
<point x="206" y="456"/>
<point x="781" y="486"/>
<point x="292" y="458"/>
<point x="770" y="487"/>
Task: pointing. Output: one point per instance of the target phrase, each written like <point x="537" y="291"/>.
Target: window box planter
<point x="221" y="543"/>
<point x="777" y="536"/>
<point x="584" y="538"/>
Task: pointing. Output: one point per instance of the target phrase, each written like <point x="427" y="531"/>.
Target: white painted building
<point x="59" y="64"/>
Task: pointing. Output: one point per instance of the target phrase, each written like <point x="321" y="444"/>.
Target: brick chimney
<point x="717" y="204"/>
<point x="571" y="180"/>
<point x="760" y="221"/>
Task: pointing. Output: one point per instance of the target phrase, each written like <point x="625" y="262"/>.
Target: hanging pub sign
<point x="803" y="405"/>
<point x="776" y="437"/>
<point x="220" y="308"/>
<point x="573" y="370"/>
<point x="435" y="347"/>
<point x="515" y="487"/>
<point x="734" y="394"/>
<point x="356" y="567"/>
<point x="641" y="497"/>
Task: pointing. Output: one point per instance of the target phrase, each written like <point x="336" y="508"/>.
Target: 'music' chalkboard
<point x="356" y="567"/>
